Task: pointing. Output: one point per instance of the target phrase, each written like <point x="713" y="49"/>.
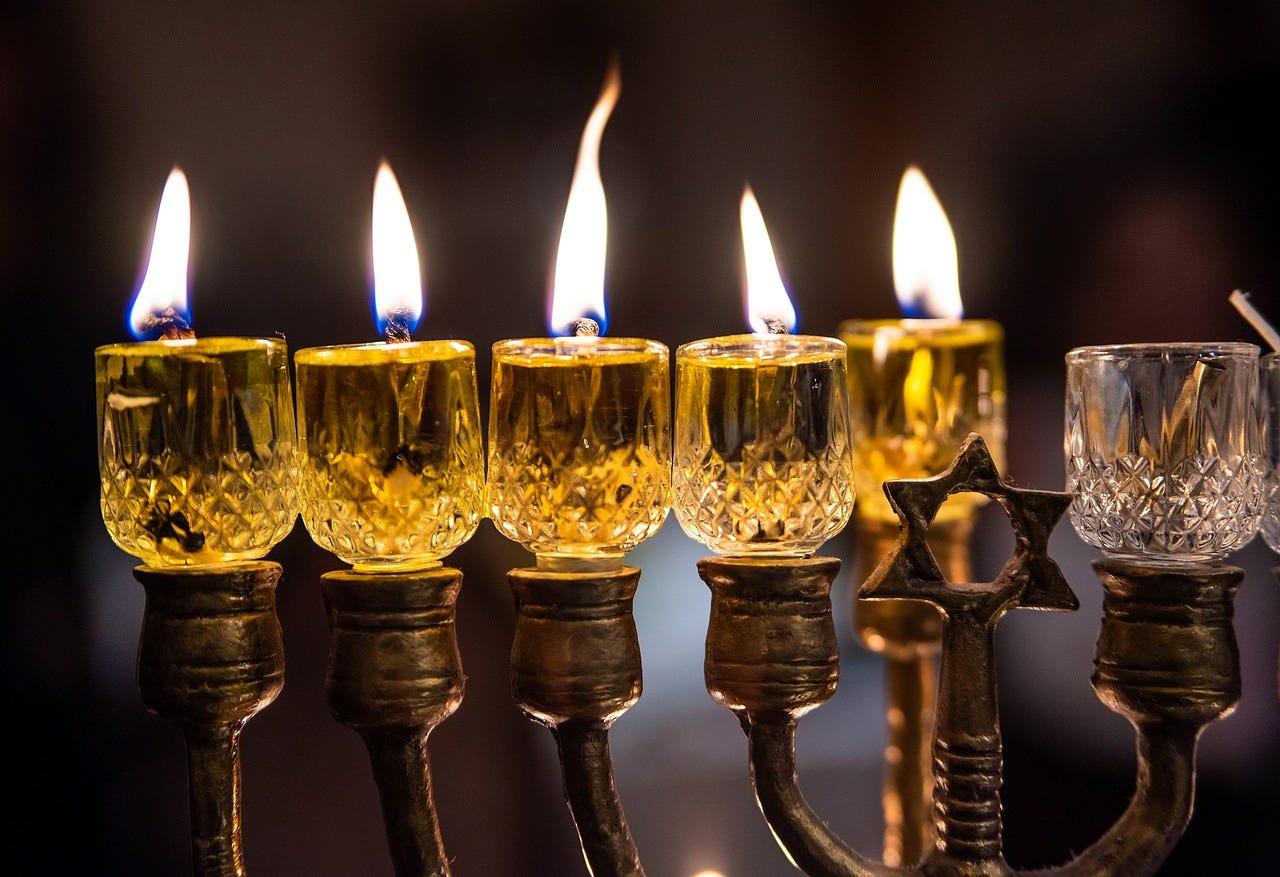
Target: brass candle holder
<point x="1166" y="659"/>
<point x="394" y="674"/>
<point x="575" y="668"/>
<point x="195" y="458"/>
<point x="917" y="388"/>
<point x="210" y="657"/>
<point x="579" y="474"/>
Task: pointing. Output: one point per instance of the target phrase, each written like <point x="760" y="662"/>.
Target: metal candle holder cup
<point x="195" y="456"/>
<point x="391" y="479"/>
<point x="579" y="474"/>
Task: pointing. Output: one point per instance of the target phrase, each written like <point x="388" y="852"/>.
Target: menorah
<point x="207" y="461"/>
<point x="211" y="652"/>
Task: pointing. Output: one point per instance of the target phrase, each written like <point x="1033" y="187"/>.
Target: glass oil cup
<point x="917" y="388"/>
<point x="579" y="446"/>
<point x="1165" y="458"/>
<point x="195" y="448"/>
<point x="391" y="456"/>
<point x="763" y="462"/>
<point x="1269" y="395"/>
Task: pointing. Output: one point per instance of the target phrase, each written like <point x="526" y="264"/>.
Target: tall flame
<point x="160" y="307"/>
<point x="769" y="308"/>
<point x="577" y="291"/>
<point x="925" y="266"/>
<point x="397" y="277"/>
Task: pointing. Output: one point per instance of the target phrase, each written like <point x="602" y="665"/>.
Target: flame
<point x="925" y="272"/>
<point x="578" y="289"/>
<point x="397" y="277"/>
<point x="160" y="307"/>
<point x="769" y="308"/>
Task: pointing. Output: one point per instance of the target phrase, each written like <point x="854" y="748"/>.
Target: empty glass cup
<point x="1269" y="392"/>
<point x="1165" y="458"/>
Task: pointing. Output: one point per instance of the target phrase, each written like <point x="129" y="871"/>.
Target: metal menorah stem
<point x="1166" y="659"/>
<point x="210" y="657"/>
<point x="575" y="667"/>
<point x="395" y="673"/>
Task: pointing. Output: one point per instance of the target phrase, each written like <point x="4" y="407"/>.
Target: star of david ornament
<point x="1029" y="579"/>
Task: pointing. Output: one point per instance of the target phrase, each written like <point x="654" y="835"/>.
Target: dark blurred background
<point x="1110" y="174"/>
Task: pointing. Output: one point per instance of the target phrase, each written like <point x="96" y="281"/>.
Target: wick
<point x="397" y="331"/>
<point x="172" y="326"/>
<point x="1240" y="299"/>
<point x="775" y="326"/>
<point x="586" y="327"/>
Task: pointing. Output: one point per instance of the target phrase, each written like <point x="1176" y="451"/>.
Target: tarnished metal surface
<point x="394" y="674"/>
<point x="771" y="657"/>
<point x="966" y="746"/>
<point x="1166" y="659"/>
<point x="211" y="656"/>
<point x="575" y="667"/>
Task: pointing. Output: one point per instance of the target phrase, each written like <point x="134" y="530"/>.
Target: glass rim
<point x="920" y="325"/>
<point x="766" y="346"/>
<point x="198" y="344"/>
<point x="1161" y="350"/>
<point x="573" y="346"/>
<point x="410" y="351"/>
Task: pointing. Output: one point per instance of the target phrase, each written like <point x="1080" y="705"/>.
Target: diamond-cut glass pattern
<point x="580" y="444"/>
<point x="1164" y="450"/>
<point x="763" y="460"/>
<point x="196" y="449"/>
<point x="168" y="513"/>
<point x="1203" y="509"/>
<point x="1269" y="390"/>
<point x="391" y="464"/>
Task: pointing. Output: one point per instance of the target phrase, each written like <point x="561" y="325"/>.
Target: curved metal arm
<point x="1157" y="815"/>
<point x="812" y="845"/>
<point x="1167" y="659"/>
<point x="593" y="800"/>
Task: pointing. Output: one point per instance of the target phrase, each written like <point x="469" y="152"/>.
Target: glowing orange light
<point x="769" y="308"/>
<point x="925" y="266"/>
<point x="578" y="288"/>
<point x="397" y="277"/>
